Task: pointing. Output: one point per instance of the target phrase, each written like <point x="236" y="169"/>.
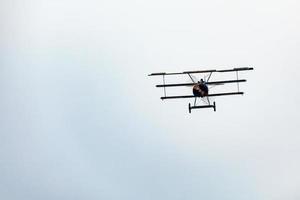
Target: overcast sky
<point x="80" y="118"/>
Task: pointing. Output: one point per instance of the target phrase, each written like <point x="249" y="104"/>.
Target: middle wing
<point x="208" y="83"/>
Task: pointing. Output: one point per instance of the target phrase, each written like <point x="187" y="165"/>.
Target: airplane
<point x="200" y="88"/>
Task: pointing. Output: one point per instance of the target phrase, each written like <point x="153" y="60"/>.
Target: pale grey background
<point x="79" y="118"/>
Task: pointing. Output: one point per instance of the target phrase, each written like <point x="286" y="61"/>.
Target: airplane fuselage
<point x="200" y="89"/>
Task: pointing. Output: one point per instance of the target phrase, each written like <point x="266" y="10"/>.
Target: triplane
<point x="201" y="88"/>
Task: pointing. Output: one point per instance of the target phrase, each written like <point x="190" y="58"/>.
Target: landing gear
<point x="205" y="106"/>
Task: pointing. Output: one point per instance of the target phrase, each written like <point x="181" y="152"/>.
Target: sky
<point x="80" y="118"/>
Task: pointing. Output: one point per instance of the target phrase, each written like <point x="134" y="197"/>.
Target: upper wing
<point x="202" y="71"/>
<point x="236" y="69"/>
<point x="177" y="73"/>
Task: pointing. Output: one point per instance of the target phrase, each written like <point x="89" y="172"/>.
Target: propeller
<point x="204" y="100"/>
